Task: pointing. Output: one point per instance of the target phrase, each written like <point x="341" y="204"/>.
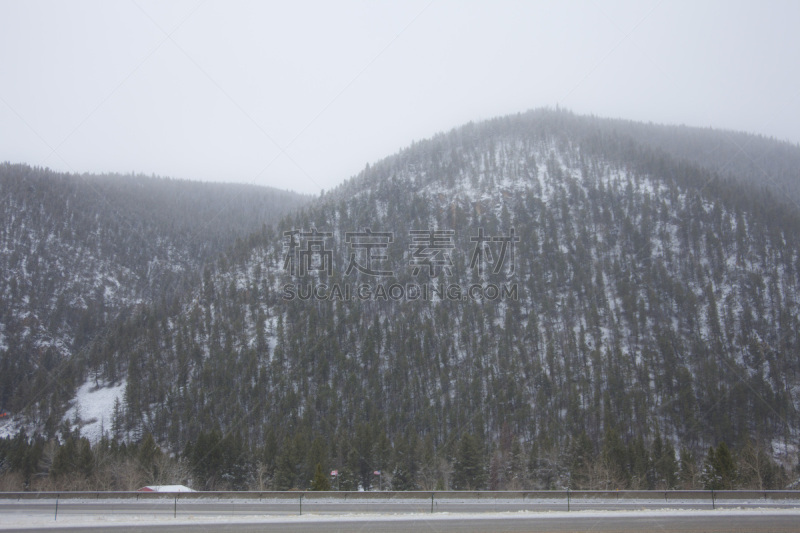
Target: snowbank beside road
<point x="32" y="520"/>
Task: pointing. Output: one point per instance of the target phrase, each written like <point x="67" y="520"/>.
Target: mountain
<point x="754" y="160"/>
<point x="79" y="252"/>
<point x="540" y="300"/>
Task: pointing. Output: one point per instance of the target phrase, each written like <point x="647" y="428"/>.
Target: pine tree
<point x="65" y="459"/>
<point x="664" y="464"/>
<point x="404" y="474"/>
<point x="469" y="470"/>
<point x="85" y="458"/>
<point x="286" y="468"/>
<point x="688" y="469"/>
<point x="147" y="457"/>
<point x="582" y="460"/>
<point x="725" y="467"/>
<point x="615" y="458"/>
<point x="320" y="481"/>
<point x="719" y="469"/>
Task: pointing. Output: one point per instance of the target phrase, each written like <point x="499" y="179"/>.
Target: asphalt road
<point x="398" y="516"/>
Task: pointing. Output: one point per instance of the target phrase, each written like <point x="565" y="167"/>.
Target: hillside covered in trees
<point x="537" y="301"/>
<point x="77" y="253"/>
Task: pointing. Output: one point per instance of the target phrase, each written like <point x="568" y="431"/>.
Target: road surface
<point x="399" y="516"/>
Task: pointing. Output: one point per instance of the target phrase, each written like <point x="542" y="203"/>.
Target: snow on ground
<point x="8" y="428"/>
<point x="169" y="488"/>
<point x="22" y="520"/>
<point x="11" y="425"/>
<point x="94" y="408"/>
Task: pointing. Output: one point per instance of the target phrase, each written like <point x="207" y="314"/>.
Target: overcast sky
<point x="302" y="95"/>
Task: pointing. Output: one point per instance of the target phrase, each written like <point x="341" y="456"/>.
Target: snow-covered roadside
<point x="20" y="520"/>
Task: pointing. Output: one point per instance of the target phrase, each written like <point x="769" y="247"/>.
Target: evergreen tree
<point x="615" y="457"/>
<point x="664" y="464"/>
<point x="725" y="467"/>
<point x="469" y="470"/>
<point x="286" y="469"/>
<point x="719" y="469"/>
<point x="147" y="457"/>
<point x="320" y="481"/>
<point x="688" y="469"/>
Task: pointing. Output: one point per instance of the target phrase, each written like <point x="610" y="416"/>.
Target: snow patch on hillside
<point x="93" y="408"/>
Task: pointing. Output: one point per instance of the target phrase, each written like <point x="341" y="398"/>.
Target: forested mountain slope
<point x="77" y="252"/>
<point x="650" y="305"/>
<point x="761" y="162"/>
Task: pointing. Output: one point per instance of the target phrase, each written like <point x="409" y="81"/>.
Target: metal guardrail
<point x="667" y="495"/>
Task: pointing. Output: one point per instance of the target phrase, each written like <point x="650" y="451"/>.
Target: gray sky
<point x="301" y="95"/>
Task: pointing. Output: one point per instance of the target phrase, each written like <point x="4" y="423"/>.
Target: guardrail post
<point x="56" y="518"/>
<point x="567" y="499"/>
<point x="175" y="511"/>
<point x="301" y="504"/>
<point x="713" y="503"/>
<point x="432" y="494"/>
